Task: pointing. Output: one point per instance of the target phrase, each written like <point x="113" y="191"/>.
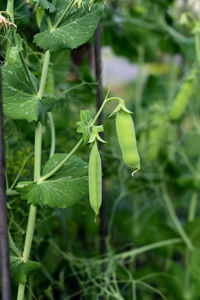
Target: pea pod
<point x="127" y="140"/>
<point x="183" y="96"/>
<point x="95" y="178"/>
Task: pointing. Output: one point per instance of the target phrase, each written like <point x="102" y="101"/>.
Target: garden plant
<point x="55" y="162"/>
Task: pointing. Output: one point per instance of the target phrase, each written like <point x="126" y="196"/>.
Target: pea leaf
<point x="63" y="189"/>
<point x="19" y="100"/>
<point x="75" y="29"/>
<point x="84" y="124"/>
<point x="12" y="54"/>
<point x="20" y="269"/>
<point x="47" y="5"/>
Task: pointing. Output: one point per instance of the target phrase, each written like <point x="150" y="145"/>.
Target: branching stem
<point x="37" y="168"/>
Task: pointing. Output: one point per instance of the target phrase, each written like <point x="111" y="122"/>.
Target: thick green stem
<point x="21" y="289"/>
<point x="53" y="135"/>
<point x="44" y="73"/>
<point x="49" y="23"/>
<point x="176" y="220"/>
<point x="32" y="212"/>
<point x="37" y="167"/>
<point x="33" y="209"/>
<point x="29" y="232"/>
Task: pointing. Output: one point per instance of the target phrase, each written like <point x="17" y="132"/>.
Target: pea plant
<point x="28" y="95"/>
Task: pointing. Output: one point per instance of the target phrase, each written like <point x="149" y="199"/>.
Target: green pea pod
<point x="184" y="94"/>
<point x="95" y="179"/>
<point x="127" y="140"/>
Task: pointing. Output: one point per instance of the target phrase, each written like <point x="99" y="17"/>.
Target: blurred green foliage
<point x="67" y="242"/>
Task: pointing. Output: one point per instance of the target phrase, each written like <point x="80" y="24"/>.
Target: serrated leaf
<point x="21" y="269"/>
<point x="65" y="188"/>
<point x="19" y="100"/>
<point x="84" y="124"/>
<point x="75" y="29"/>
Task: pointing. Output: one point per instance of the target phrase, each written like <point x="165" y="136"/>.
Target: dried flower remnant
<point x="4" y="22"/>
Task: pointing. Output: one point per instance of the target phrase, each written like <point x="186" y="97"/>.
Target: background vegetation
<point x="153" y="224"/>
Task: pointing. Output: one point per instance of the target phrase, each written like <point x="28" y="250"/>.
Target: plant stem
<point x="33" y="209"/>
<point x="146" y="248"/>
<point x="62" y="162"/>
<point x="63" y="15"/>
<point x="68" y="156"/>
<point x="10" y="9"/>
<point x="49" y="23"/>
<point x="20" y="294"/>
<point x="37" y="167"/>
<point x="13" y="246"/>
<point x="193" y="205"/>
<point x="32" y="212"/>
<point x="176" y="220"/>
<point x="124" y="255"/>
<point x="102" y="107"/>
<point x="44" y="73"/>
<point x="29" y="232"/>
<point x="53" y="136"/>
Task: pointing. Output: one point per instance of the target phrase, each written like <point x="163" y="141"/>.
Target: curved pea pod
<point x="95" y="179"/>
<point x="127" y="140"/>
<point x="183" y="96"/>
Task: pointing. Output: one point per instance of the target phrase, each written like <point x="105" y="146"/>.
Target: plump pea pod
<point x="184" y="94"/>
<point x="127" y="140"/>
<point x="95" y="179"/>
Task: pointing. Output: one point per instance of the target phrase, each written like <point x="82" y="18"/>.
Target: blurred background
<point x="150" y="58"/>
